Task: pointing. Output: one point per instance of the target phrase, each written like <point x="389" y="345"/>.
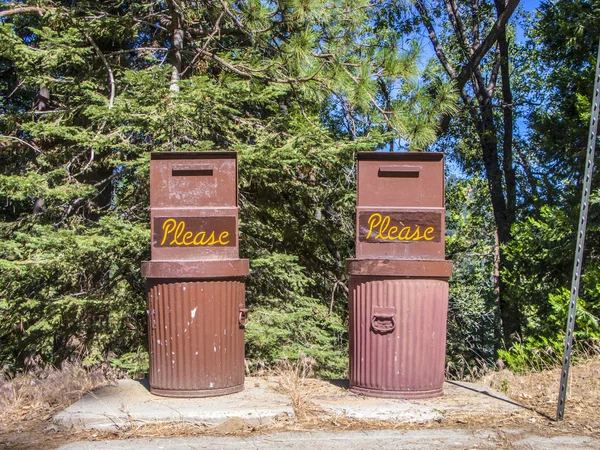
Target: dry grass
<point x="294" y="381"/>
<point x="28" y="401"/>
<point x="539" y="391"/>
<point x="41" y="391"/>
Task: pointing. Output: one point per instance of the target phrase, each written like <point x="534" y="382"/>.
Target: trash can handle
<point x="243" y="317"/>
<point x="383" y="321"/>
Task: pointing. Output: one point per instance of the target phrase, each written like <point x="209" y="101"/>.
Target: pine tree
<point x="90" y="88"/>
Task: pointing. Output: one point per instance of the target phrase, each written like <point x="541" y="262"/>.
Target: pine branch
<point x="454" y="16"/>
<point x="31" y="146"/>
<point x="23" y="10"/>
<point x="377" y="106"/>
<point x="239" y="24"/>
<point x="248" y="76"/>
<point x="111" y="78"/>
<point x="437" y="46"/>
<point x="475" y="27"/>
<point x="137" y="49"/>
<point x="487" y="44"/>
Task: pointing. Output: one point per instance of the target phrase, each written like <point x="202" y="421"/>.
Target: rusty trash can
<point x="195" y="278"/>
<point x="398" y="282"/>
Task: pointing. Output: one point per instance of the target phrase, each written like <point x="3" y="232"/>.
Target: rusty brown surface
<point x="399" y="268"/>
<point x="193" y="179"/>
<point x="196" y="291"/>
<point x="198" y="190"/>
<point x="227" y="268"/>
<point x="398" y="283"/>
<point x="408" y="180"/>
<point x="397" y="336"/>
<point x="196" y="337"/>
<point x="400" y="211"/>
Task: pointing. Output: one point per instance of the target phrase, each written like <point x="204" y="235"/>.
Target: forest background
<point x="296" y="87"/>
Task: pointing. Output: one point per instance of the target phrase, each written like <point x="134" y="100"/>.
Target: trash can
<point x="195" y="278"/>
<point x="398" y="282"/>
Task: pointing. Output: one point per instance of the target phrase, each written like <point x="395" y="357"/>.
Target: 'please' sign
<point x="194" y="231"/>
<point x="399" y="226"/>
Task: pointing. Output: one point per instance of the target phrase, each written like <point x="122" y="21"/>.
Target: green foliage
<point x="286" y="324"/>
<point x="72" y="289"/>
<point x="558" y="61"/>
<point x="470" y="242"/>
<point x="296" y="88"/>
<point x="540" y="276"/>
<point x="90" y="88"/>
<point x="136" y="364"/>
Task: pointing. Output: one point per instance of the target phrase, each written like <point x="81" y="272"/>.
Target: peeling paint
<point x="194" y="312"/>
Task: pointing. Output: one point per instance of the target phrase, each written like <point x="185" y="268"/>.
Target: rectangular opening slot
<point x="191" y="170"/>
<point x="399" y="172"/>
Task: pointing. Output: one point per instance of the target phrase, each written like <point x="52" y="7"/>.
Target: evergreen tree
<point x="90" y="88"/>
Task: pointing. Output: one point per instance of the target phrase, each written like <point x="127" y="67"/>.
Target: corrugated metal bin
<point x="195" y="279"/>
<point x="398" y="289"/>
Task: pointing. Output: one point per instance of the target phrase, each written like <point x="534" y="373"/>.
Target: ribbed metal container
<point x="397" y="336"/>
<point x="196" y="337"/>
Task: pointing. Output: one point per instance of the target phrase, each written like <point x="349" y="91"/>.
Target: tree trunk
<point x="507" y="112"/>
<point x="498" y="338"/>
<point x="509" y="310"/>
<point x="176" y="11"/>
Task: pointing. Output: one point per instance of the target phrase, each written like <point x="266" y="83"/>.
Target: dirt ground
<point x="27" y="424"/>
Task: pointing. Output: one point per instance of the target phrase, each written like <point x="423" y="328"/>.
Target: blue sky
<point x="530" y="5"/>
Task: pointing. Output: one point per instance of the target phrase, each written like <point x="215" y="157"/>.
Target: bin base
<point x="397" y="334"/>
<point x="196" y="393"/>
<point x="196" y="336"/>
<point x="396" y="394"/>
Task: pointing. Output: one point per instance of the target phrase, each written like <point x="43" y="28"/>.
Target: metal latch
<point x="243" y="316"/>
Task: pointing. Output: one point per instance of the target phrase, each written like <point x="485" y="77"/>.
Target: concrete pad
<point x="464" y="398"/>
<point x="367" y="439"/>
<point x="130" y="402"/>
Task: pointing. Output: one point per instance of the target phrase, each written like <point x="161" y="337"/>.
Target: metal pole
<point x="583" y="212"/>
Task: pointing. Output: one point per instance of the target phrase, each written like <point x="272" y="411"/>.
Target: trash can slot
<point x="399" y="171"/>
<point x="383" y="320"/>
<point x="188" y="170"/>
<point x="243" y="317"/>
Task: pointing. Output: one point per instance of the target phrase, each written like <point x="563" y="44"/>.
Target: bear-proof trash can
<point x="398" y="283"/>
<point x="195" y="278"/>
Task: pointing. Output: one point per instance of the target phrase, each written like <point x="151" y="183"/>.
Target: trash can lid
<point x="222" y="268"/>
<point x="399" y="268"/>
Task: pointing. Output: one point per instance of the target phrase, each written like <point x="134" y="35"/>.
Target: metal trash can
<point x="398" y="283"/>
<point x="195" y="278"/>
